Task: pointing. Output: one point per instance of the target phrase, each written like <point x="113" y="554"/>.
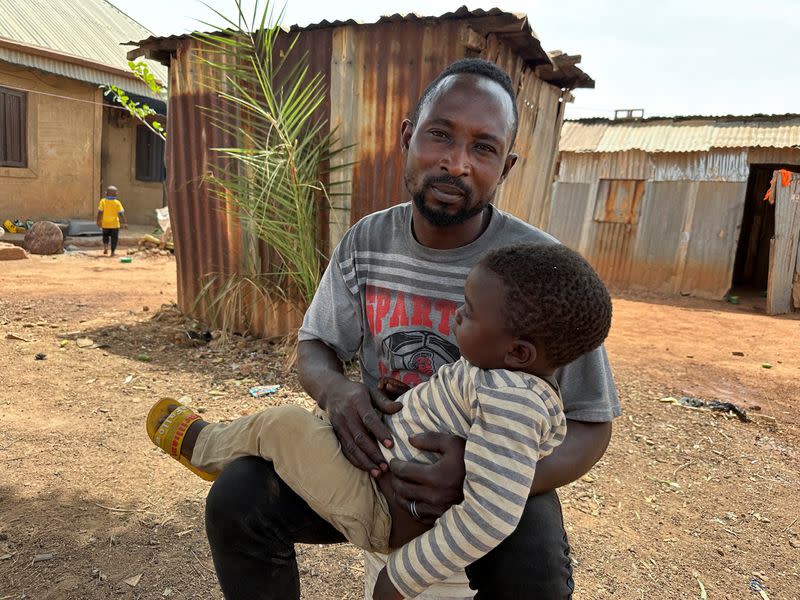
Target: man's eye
<point x="437" y="133"/>
<point x="485" y="148"/>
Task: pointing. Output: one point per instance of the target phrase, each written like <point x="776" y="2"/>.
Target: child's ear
<point x="521" y="355"/>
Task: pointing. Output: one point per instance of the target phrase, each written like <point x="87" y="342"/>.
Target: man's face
<point x="111" y="192"/>
<point x="458" y="151"/>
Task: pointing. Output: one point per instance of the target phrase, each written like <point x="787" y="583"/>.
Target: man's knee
<point x="245" y="486"/>
<point x="533" y="562"/>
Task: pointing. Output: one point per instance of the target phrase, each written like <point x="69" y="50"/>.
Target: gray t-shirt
<point x="392" y="302"/>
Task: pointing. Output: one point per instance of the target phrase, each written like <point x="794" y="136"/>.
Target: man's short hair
<point x="553" y="298"/>
<point x="480" y="68"/>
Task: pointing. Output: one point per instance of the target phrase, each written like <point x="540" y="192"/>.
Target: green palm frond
<point x="271" y="176"/>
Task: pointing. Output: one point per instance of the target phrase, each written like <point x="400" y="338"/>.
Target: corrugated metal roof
<point x="75" y="71"/>
<point x="90" y="29"/>
<point x="681" y="134"/>
<point x="514" y="29"/>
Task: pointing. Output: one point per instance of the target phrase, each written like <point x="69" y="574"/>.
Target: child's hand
<point x="392" y="388"/>
<point x="384" y="588"/>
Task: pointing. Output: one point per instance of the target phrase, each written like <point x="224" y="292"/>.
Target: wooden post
<point x="783" y="258"/>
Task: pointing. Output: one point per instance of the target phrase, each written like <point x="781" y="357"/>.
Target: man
<point x="389" y="295"/>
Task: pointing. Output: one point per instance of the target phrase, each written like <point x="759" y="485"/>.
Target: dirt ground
<point x="686" y="503"/>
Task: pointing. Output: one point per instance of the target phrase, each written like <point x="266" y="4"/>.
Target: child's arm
<point x="513" y="428"/>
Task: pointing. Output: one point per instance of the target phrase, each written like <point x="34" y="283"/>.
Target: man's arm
<point x="99" y="218"/>
<point x="122" y="220"/>
<point x="438" y="486"/>
<point x="352" y="408"/>
<point x="584" y="444"/>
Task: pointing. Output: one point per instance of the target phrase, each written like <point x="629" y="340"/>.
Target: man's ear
<point x="511" y="160"/>
<point x="521" y="355"/>
<point x="406" y="131"/>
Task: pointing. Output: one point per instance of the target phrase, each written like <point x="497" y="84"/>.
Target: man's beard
<point x="442" y="218"/>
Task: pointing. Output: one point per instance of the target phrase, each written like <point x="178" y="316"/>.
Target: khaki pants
<point x="308" y="457"/>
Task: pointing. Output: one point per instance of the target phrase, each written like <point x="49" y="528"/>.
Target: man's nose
<point x="456" y="160"/>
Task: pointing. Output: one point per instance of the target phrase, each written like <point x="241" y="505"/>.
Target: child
<point x="110" y="214"/>
<point x="528" y="310"/>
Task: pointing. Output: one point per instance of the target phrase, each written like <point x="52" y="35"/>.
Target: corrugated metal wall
<point x="715" y="229"/>
<point x="568" y="211"/>
<point x="375" y="75"/>
<point x="661" y="236"/>
<point x="208" y="238"/>
<point x="689" y="221"/>
<point x="526" y="192"/>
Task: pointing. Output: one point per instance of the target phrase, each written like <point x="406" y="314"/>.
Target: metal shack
<point x="375" y="73"/>
<point x="676" y="205"/>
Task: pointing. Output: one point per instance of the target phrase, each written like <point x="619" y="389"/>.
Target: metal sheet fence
<point x="684" y="241"/>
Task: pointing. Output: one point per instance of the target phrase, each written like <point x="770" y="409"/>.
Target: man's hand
<point x="435" y="487"/>
<point x="392" y="388"/>
<point x="355" y="412"/>
<point x="384" y="588"/>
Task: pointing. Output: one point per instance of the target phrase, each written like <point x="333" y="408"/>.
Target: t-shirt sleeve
<point x="334" y="316"/>
<point x="588" y="390"/>
<point x="511" y="431"/>
<point x="120" y="208"/>
<point x="100" y="204"/>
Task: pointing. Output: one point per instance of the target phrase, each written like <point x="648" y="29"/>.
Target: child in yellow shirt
<point x="110" y="215"/>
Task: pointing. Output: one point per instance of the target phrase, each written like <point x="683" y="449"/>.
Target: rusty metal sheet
<point x="208" y="236"/>
<point x="385" y="68"/>
<point x="715" y="228"/>
<point x="568" y="211"/>
<point x="618" y="200"/>
<point x="526" y="192"/>
<point x="773" y="156"/>
<point x="785" y="247"/>
<point x="610" y="251"/>
<point x="661" y="232"/>
<point x="375" y="74"/>
<point x="589" y="167"/>
<point x="716" y="165"/>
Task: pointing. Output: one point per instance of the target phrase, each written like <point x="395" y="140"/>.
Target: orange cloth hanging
<point x="786" y="179"/>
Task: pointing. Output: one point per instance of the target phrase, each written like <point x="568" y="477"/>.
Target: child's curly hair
<point x="553" y="298"/>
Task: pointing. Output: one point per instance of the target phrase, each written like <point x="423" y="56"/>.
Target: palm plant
<point x="271" y="175"/>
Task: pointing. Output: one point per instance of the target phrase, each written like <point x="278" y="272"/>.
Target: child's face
<point x="480" y="325"/>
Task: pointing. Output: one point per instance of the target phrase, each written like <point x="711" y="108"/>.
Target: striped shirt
<point x="510" y="420"/>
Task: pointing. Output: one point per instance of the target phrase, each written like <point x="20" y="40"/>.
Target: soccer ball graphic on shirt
<point x="420" y="351"/>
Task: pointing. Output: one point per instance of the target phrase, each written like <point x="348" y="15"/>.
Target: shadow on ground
<point x="168" y="340"/>
<point x="63" y="546"/>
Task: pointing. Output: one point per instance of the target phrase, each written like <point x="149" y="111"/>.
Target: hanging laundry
<point x="786" y="179"/>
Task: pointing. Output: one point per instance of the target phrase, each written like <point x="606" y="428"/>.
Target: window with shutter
<point x="618" y="200"/>
<point x="149" y="155"/>
<point x="13" y="128"/>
